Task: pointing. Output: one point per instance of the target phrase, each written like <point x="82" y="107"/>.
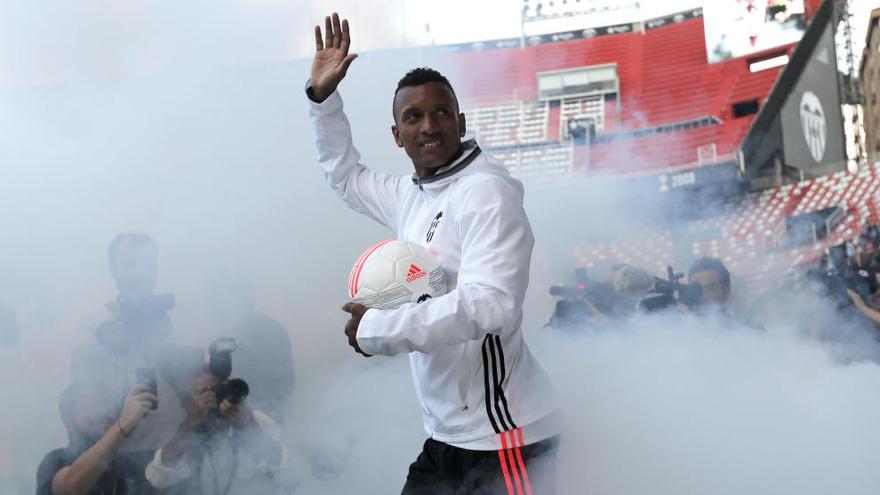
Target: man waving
<point x="488" y="406"/>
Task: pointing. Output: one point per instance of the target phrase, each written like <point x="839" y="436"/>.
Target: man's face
<point x="428" y="126"/>
<point x="134" y="269"/>
<point x="203" y="383"/>
<point x="714" y="291"/>
<point x="93" y="415"/>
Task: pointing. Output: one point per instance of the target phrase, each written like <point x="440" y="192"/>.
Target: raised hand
<point x="197" y="408"/>
<point x="138" y="404"/>
<point x="331" y="56"/>
<point x="237" y="414"/>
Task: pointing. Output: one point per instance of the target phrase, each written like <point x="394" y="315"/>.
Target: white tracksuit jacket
<point x="474" y="375"/>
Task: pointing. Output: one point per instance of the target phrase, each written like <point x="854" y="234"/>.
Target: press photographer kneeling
<point x="222" y="446"/>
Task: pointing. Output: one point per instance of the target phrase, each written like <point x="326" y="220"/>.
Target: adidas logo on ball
<point x="415" y="273"/>
<point x="393" y="273"/>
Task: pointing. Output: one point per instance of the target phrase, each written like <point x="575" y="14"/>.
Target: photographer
<point x="714" y="281"/>
<point x="134" y="336"/>
<point x="597" y="303"/>
<point x="846" y="283"/>
<point x="138" y="323"/>
<point x="575" y="310"/>
<point x="864" y="307"/>
<point x="88" y="465"/>
<point x="221" y="447"/>
<point x="630" y="284"/>
<point x="866" y="253"/>
<point x="707" y="290"/>
<point x="263" y="349"/>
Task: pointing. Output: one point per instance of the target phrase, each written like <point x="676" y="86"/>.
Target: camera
<point x="571" y="311"/>
<point x="234" y="390"/>
<point x="840" y="277"/>
<point x="836" y="282"/>
<point x="670" y="292"/>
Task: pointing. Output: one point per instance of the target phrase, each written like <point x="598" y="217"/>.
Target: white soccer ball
<point x="393" y="273"/>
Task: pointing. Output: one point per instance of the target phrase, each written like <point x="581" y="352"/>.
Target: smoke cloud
<point x="197" y="133"/>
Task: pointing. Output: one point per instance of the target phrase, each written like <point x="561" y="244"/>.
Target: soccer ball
<point x="393" y="273"/>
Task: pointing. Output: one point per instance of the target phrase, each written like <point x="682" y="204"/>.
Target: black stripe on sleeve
<point x="488" y="389"/>
<point x="499" y="388"/>
<point x="496" y="383"/>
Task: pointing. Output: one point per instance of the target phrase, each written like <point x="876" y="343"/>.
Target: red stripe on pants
<point x="513" y="467"/>
<point x="522" y="465"/>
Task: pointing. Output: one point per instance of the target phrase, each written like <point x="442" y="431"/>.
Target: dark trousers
<point x="442" y="469"/>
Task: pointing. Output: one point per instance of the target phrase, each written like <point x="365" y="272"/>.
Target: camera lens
<point x="237" y="390"/>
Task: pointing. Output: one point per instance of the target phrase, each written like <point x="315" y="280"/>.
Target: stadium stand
<point x="749" y="234"/>
<point x="665" y="79"/>
<point x="553" y="161"/>
<point x="673" y="111"/>
<point x="512" y="124"/>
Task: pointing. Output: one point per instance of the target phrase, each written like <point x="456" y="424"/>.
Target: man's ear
<point x="396" y="132"/>
<point x="462" y="125"/>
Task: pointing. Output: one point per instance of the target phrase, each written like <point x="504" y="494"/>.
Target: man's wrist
<point x="363" y="334"/>
<point x="310" y="92"/>
<point x="125" y="431"/>
<point x="316" y="96"/>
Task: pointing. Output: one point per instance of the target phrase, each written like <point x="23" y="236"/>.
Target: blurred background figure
<point x="263" y="356"/>
<point x="137" y="324"/>
<point x="134" y="338"/>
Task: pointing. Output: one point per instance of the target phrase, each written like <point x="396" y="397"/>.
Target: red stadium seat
<point x="665" y="78"/>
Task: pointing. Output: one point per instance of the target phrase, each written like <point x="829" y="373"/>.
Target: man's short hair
<point x="713" y="265"/>
<point x="135" y="238"/>
<point x="423" y="75"/>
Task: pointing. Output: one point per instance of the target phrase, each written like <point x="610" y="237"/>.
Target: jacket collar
<point x="470" y="153"/>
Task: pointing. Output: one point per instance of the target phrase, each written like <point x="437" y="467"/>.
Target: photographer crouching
<point x="223" y="446"/>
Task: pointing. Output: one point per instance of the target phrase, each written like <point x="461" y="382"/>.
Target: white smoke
<point x="131" y="119"/>
<point x="670" y="405"/>
<point x="656" y="404"/>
